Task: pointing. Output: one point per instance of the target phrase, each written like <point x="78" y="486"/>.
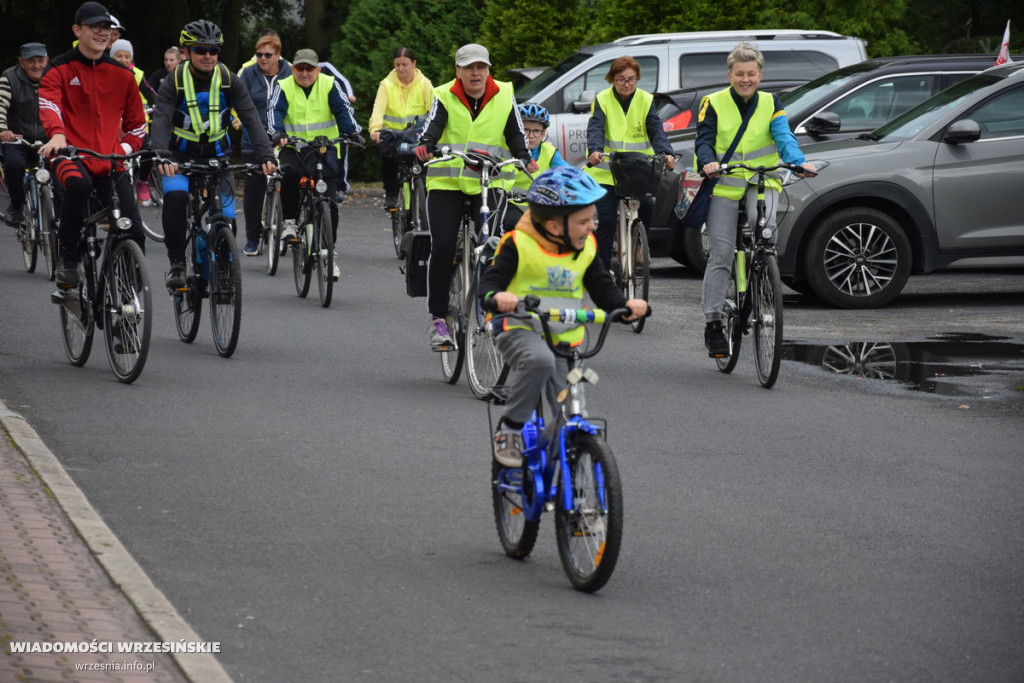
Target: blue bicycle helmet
<point x="534" y="112"/>
<point x="561" y="191"/>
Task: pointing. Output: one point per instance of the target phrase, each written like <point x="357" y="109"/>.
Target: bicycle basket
<point x="635" y="174"/>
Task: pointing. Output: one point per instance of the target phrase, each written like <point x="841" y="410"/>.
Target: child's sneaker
<point x="508" y="448"/>
<point x="144" y="197"/>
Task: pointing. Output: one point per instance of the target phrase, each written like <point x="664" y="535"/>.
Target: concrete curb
<point x="152" y="606"/>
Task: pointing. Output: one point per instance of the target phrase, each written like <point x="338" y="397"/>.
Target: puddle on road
<point x="950" y="364"/>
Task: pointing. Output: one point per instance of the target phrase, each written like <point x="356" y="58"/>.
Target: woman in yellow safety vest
<point x="471" y="112"/>
<point x="622" y="120"/>
<point x="402" y="97"/>
<point x="766" y="138"/>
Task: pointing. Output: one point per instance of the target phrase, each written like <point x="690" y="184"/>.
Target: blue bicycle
<point x="568" y="467"/>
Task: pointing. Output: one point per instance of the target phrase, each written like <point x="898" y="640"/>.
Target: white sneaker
<point x="337" y="270"/>
<point x="288" y="234"/>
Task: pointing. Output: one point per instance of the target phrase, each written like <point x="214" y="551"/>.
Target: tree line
<point x="360" y="36"/>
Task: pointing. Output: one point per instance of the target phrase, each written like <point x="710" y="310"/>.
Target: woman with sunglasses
<point x="191" y="119"/>
<point x="261" y="79"/>
<point x="622" y="119"/>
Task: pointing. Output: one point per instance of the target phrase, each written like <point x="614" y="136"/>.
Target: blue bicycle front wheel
<point x="589" y="529"/>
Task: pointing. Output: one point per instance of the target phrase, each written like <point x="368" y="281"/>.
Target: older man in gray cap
<point x="474" y="111"/>
<point x="19" y="118"/>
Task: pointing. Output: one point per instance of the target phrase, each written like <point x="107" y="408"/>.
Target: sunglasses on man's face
<point x="303" y="67"/>
<point x="202" y="50"/>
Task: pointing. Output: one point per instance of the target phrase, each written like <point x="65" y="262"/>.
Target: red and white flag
<point x="1004" y="49"/>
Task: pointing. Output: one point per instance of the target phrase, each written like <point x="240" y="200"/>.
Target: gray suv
<point x="942" y="183"/>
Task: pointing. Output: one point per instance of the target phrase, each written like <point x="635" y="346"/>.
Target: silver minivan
<point x="669" y="61"/>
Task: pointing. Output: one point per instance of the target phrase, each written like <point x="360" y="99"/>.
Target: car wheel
<point x="694" y="249"/>
<point x="858" y="258"/>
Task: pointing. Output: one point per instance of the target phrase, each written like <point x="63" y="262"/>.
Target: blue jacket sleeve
<point x="342" y="110"/>
<point x="595" y="130"/>
<point x="785" y="141"/>
<point x="707" y="131"/>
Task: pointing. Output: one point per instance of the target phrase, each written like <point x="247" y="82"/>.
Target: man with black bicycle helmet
<point x="552" y="253"/>
<point x="191" y="119"/>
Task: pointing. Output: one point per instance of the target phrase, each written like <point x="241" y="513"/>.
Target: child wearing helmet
<point x="552" y="253"/>
<point x="535" y="125"/>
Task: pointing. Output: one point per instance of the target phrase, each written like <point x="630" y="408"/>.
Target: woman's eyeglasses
<point x="264" y="55"/>
<point x="625" y="81"/>
<point x="204" y="50"/>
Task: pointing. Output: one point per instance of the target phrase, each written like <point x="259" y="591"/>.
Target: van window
<point x="593" y="79"/>
<point x="708" y="68"/>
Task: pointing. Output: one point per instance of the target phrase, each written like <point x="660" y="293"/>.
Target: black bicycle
<point x="409" y="214"/>
<point x="113" y="291"/>
<point x="754" y="297"/>
<point x="313" y="249"/>
<point x="212" y="268"/>
<point x="273" y="222"/>
<point x="37" y="229"/>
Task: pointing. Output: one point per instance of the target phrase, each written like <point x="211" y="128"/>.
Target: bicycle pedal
<point x="441" y="348"/>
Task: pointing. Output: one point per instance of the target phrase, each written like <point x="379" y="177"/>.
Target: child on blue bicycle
<point x="551" y="253"/>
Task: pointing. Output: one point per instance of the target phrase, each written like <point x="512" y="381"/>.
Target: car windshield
<point x="798" y="99"/>
<point x="912" y="122"/>
<point x="530" y="90"/>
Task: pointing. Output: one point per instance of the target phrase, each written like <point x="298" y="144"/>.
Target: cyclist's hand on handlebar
<point x="422" y="153"/>
<point x="670" y="161"/>
<point x="595" y="158"/>
<point x="711" y="169"/>
<point x="506" y="302"/>
<point x="50" y="148"/>
<point x="532" y="166"/>
<point x="809" y="170"/>
<point x="638" y="309"/>
<point x="269" y="166"/>
<point x="8" y="136"/>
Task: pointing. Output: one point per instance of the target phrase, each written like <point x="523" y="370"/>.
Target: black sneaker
<point x="715" y="340"/>
<point x="12" y="216"/>
<point x="67" y="271"/>
<point x="176" y="276"/>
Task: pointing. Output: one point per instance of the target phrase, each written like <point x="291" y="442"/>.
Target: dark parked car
<point x="938" y="185"/>
<point x="845" y="103"/>
<point x="678" y="108"/>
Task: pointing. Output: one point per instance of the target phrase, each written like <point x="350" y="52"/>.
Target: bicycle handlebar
<point x="322" y="142"/>
<point x="660" y="156"/>
<point x="726" y="169"/>
<point x="477" y="158"/>
<point x="71" y="152"/>
<point x="531" y="305"/>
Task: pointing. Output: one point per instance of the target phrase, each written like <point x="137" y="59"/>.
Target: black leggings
<point x="78" y="185"/>
<point x="444" y="214"/>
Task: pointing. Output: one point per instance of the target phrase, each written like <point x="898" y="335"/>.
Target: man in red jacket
<point x="89" y="100"/>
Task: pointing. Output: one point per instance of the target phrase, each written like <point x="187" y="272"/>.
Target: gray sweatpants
<point x="721" y="231"/>
<point x="535" y="369"/>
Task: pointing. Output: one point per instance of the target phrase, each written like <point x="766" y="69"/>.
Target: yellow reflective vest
<point x="405" y="102"/>
<point x="464" y="133"/>
<point x="623" y="131"/>
<point x="755" y="148"/>
<point x="523" y="182"/>
<point x="556" y="278"/>
<point x="310" y="116"/>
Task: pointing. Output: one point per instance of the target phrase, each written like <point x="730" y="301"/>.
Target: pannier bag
<point x="416" y="246"/>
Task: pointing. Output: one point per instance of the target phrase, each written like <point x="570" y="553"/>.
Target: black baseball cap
<point x="29" y="50"/>
<point x="93" y="13"/>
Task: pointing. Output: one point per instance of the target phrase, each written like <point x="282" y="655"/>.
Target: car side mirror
<point x="824" y="122"/>
<point x="582" y="105"/>
<point x="964" y="130"/>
